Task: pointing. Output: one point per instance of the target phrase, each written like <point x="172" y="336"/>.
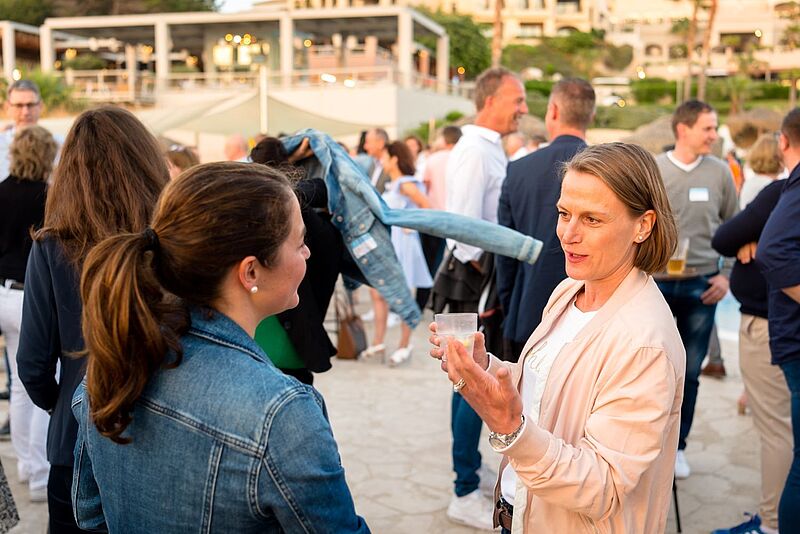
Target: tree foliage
<point x="469" y="48"/>
<point x="34" y="12"/>
<point x="31" y="12"/>
<point x="576" y="54"/>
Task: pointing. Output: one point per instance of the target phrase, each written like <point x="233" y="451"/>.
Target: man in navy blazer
<point x="528" y="205"/>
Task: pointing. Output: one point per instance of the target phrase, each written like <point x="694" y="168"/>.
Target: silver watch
<point x="501" y="441"/>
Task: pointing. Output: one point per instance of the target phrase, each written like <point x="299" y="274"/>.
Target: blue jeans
<point x="695" y="321"/>
<point x="466" y="427"/>
<point x="788" y="516"/>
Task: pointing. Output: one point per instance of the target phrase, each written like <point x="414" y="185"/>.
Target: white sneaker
<point x="682" y="469"/>
<point x="473" y="510"/>
<point x="401" y="355"/>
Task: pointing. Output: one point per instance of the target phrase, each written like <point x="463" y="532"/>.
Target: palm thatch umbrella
<point x="654" y="136"/>
<point x="746" y="127"/>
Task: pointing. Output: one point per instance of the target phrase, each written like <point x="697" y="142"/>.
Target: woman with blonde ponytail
<point x="107" y="181"/>
<point x="180" y="404"/>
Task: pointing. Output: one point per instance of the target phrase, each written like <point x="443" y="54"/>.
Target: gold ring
<point x="458" y="386"/>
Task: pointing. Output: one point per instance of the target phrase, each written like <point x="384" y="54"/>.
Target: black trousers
<point x="59" y="501"/>
<point x="433" y="250"/>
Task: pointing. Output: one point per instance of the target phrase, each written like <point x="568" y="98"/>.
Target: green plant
<point x="544" y="56"/>
<point x="84" y="62"/>
<point x="576" y="54"/>
<point x="537" y="104"/>
<point x="469" y="48"/>
<point x="771" y="91"/>
<point x="618" y="57"/>
<point x="26" y="11"/>
<point x="542" y="87"/>
<point x="628" y="117"/>
<point x="423" y="130"/>
<point x="56" y="94"/>
<point x="183" y="68"/>
<point x="652" y="90"/>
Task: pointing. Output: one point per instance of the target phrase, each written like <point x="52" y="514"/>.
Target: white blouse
<point x="536" y="368"/>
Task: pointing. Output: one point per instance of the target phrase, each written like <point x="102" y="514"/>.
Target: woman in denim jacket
<point x="179" y="403"/>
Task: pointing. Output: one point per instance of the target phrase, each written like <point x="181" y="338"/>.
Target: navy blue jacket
<point x="528" y="204"/>
<point x="779" y="258"/>
<point x="747" y="283"/>
<point x="51" y="333"/>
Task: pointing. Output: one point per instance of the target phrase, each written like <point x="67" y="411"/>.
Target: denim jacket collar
<point x="217" y="327"/>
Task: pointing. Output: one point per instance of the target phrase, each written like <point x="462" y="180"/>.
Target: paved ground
<point x="392" y="426"/>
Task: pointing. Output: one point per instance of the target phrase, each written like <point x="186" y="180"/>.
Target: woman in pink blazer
<point x="587" y="421"/>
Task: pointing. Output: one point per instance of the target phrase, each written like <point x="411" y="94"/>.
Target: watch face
<point x="497" y="443"/>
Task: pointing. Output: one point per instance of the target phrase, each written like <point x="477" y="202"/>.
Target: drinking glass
<point x="677" y="262"/>
<point x="460" y="326"/>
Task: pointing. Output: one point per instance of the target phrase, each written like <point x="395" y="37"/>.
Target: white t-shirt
<point x="685" y="167"/>
<point x="536" y="368"/>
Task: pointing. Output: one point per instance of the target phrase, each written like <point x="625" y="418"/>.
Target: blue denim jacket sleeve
<point x="301" y="479"/>
<point x="361" y="215"/>
<point x="86" y="505"/>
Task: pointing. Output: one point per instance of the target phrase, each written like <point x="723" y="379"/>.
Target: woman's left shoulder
<point x="647" y="321"/>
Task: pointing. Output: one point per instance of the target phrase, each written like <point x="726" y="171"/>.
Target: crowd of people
<point x="134" y="280"/>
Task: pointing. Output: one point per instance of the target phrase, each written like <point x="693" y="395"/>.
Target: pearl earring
<point x="639" y="238"/>
<point x="254" y="289"/>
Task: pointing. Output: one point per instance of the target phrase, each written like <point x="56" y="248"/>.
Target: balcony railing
<point x="110" y="85"/>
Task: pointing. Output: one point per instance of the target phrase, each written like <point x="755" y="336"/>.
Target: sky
<point x="228" y="6"/>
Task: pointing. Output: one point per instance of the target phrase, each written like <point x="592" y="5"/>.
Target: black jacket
<point x="304" y="324"/>
<point x="747" y="283"/>
<point x="528" y="205"/>
<point x="51" y="333"/>
<point x="21" y="207"/>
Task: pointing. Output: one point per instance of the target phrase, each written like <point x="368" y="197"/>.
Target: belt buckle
<point x="505" y="513"/>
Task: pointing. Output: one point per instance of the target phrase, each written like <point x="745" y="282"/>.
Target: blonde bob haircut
<point x="32" y="154"/>
<point x="632" y="174"/>
<point x="765" y="155"/>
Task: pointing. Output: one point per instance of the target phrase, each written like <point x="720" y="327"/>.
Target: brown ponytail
<point x="136" y="287"/>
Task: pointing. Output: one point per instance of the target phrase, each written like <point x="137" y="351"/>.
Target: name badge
<point x="363" y="245"/>
<point x="698" y="194"/>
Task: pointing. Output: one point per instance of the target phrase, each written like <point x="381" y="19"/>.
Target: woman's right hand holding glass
<point x="479" y="353"/>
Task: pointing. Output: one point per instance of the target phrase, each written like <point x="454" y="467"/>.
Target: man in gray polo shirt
<point x="702" y="195"/>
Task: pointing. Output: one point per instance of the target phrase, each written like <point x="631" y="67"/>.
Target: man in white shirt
<point x="475" y="173"/>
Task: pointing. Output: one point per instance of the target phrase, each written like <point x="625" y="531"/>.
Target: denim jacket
<point x="355" y="207"/>
<point x="224" y="442"/>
